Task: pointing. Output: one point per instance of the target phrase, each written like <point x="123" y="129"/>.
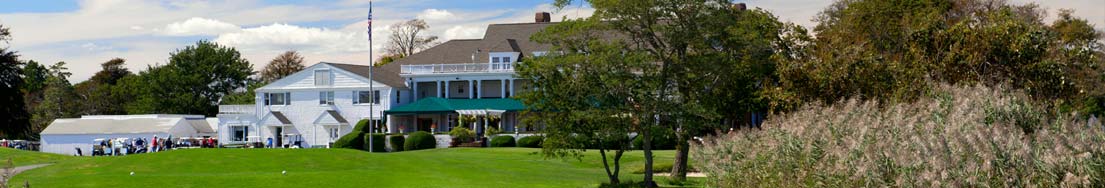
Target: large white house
<point x="311" y="108"/>
<point x="427" y="91"/>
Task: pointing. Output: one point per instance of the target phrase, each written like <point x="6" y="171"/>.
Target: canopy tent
<point x="462" y="106"/>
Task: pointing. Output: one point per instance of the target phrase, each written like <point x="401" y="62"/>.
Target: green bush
<point x="378" y="144"/>
<point x="420" y="140"/>
<point x="463" y="134"/>
<point x="531" y="141"/>
<point x="361" y="126"/>
<point x="502" y="141"/>
<point x="396" y="143"/>
<point x="353" y="140"/>
<point x="662" y="139"/>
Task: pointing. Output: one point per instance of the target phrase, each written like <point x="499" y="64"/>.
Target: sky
<point x="86" y="33"/>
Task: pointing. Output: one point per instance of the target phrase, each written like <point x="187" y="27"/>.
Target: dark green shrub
<point x="353" y="140"/>
<point x="502" y="141"/>
<point x="420" y="140"/>
<point x="396" y="142"/>
<point x="531" y="141"/>
<point x="662" y="139"/>
<point x="361" y="126"/>
<point x="378" y="144"/>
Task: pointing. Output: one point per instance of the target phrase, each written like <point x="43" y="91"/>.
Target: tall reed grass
<point x="955" y="137"/>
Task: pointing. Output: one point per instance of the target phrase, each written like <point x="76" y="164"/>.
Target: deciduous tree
<point x="283" y="65"/>
<point x="409" y="37"/>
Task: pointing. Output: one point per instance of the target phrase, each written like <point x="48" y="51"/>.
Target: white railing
<point x="236" y="109"/>
<point x="457" y="68"/>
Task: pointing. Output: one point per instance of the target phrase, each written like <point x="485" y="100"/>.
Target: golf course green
<point x="453" y="167"/>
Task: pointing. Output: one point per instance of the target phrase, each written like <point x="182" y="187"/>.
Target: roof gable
<point x="343" y="75"/>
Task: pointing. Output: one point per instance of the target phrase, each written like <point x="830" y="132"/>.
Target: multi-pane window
<point x="322" y="77"/>
<point x="495" y="60"/>
<point x="334" y="134"/>
<point x="278" y="98"/>
<point x="239" y="133"/>
<point x="366" y="97"/>
<point x="506" y="59"/>
<point x="326" y="98"/>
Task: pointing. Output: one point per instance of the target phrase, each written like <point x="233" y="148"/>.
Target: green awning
<point x="442" y="105"/>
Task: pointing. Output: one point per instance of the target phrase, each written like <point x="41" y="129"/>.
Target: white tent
<point x="64" y="135"/>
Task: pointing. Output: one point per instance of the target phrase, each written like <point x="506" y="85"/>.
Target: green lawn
<point x="20" y="157"/>
<point x="455" y="167"/>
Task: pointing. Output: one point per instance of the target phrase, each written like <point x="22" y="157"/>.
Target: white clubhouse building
<point x="427" y="91"/>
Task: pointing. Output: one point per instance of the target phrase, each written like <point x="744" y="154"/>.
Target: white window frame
<point x="335" y="133"/>
<point x="326" y="98"/>
<point x="285" y="95"/>
<point x="234" y="136"/>
<point x="326" y="79"/>
<point x="357" y="100"/>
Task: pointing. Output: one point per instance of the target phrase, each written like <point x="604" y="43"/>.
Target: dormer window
<point x="495" y="60"/>
<point x="506" y="60"/>
<point x="322" y="78"/>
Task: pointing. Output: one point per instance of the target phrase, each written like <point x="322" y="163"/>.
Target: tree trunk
<point x="647" y="147"/>
<point x="612" y="175"/>
<point x="679" y="166"/>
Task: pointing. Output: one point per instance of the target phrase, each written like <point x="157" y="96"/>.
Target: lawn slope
<point x="458" y="167"/>
<point x="21" y="157"/>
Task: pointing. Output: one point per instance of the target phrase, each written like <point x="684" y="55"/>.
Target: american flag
<point x="369" y="20"/>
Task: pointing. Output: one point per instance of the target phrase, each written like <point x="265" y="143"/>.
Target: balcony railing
<point x="457" y="68"/>
<point x="236" y="109"/>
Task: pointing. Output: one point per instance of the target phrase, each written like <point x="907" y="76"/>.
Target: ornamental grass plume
<point x="954" y="137"/>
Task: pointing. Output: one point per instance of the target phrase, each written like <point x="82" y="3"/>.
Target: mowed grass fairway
<point x="454" y="167"/>
<point x="20" y="157"/>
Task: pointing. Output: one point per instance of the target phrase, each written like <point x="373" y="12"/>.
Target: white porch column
<point x="512" y="93"/>
<point x="414" y="91"/>
<point x="479" y="86"/>
<point x="470" y="93"/>
<point x="447" y="89"/>
<point x="438" y="86"/>
<point x="502" y="91"/>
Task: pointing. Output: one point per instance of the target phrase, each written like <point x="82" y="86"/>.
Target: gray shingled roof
<point x="110" y="126"/>
<point x="382" y="75"/>
<point x="498" y="38"/>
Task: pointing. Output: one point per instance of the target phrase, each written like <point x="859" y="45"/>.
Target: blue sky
<point x="85" y="33"/>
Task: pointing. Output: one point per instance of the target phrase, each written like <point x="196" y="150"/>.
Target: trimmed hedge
<point x="531" y="141"/>
<point x="353" y="140"/>
<point x="396" y="143"/>
<point x="361" y="126"/>
<point x="662" y="139"/>
<point x="420" y="140"/>
<point x="378" y="144"/>
<point x="502" y="141"/>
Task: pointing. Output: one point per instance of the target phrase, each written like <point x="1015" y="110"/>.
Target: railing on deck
<point x="457" y="68"/>
<point x="236" y="109"/>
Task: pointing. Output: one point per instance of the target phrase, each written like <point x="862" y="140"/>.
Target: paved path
<point x="19" y="169"/>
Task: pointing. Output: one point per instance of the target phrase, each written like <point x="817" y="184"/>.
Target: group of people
<point x="125" y="146"/>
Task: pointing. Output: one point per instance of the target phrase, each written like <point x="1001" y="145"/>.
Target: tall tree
<point x="283" y="65"/>
<point x="58" y="101"/>
<point x="707" y="55"/>
<point x="193" y="82"/>
<point x="893" y="50"/>
<point x="14" y="119"/>
<point x="409" y="37"/>
<point x="587" y="96"/>
<point x="97" y="92"/>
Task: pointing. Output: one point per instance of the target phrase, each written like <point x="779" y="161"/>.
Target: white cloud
<point x="435" y="14"/>
<point x="280" y="36"/>
<point x="199" y="26"/>
<point x="464" y="32"/>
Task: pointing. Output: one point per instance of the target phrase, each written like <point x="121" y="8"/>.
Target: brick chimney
<point x="542" y="17"/>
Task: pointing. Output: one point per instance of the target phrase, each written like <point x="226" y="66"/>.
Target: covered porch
<point x="440" y="115"/>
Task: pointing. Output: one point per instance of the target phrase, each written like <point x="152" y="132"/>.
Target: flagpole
<point x="372" y="89"/>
